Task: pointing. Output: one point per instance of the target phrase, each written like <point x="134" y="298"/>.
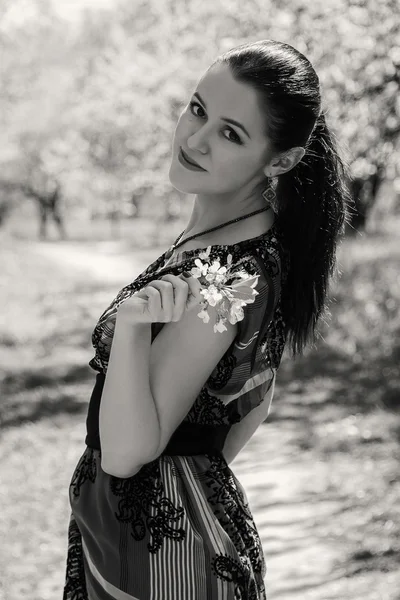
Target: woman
<point x="157" y="514"/>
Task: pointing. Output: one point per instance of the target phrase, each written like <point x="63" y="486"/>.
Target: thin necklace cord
<point x="191" y="237"/>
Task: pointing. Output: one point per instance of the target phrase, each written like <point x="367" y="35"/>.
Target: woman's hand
<point x="162" y="301"/>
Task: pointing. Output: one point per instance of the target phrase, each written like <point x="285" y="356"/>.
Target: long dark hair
<point x="313" y="199"/>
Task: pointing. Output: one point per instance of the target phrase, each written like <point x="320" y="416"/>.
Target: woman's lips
<point x="186" y="161"/>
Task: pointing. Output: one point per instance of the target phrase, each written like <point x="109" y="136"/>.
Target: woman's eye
<point x="192" y="105"/>
<point x="236" y="139"/>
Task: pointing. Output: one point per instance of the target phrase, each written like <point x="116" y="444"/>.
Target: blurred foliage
<point x="93" y="107"/>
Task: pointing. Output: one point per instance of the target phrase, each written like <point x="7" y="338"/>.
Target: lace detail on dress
<point x="208" y="410"/>
<point x="138" y="496"/>
<point x="222" y="372"/>
<point x="273" y="342"/>
<point x="86" y="470"/>
<point x="231" y="570"/>
<point x="75" y="582"/>
<point x="233" y="513"/>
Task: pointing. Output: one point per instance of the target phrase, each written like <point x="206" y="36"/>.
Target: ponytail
<point x="312" y="199"/>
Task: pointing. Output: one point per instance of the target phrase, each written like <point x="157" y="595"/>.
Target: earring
<point x="270" y="196"/>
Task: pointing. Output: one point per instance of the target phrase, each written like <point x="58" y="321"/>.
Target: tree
<point x="98" y="106"/>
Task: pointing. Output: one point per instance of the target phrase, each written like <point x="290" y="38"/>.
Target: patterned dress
<point x="181" y="528"/>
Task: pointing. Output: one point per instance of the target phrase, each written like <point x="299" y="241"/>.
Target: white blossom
<point x="203" y="314"/>
<point x="229" y="299"/>
<point x="205" y="255"/>
<point x="220" y="327"/>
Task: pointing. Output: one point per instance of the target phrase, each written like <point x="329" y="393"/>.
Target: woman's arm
<point x="150" y="387"/>
<point x="127" y="409"/>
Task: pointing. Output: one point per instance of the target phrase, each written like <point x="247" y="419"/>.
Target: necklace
<point x="191" y="237"/>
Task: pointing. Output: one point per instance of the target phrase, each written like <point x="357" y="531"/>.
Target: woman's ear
<point x="285" y="162"/>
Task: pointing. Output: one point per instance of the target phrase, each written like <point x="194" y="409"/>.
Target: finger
<point x="181" y="292"/>
<point x="154" y="306"/>
<point x="146" y="310"/>
<point x="195" y="287"/>
<point x="166" y="292"/>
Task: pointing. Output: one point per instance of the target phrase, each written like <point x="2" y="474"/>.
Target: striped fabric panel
<point x="244" y="345"/>
<point x="250" y="384"/>
<point x="173" y="566"/>
<point x="207" y="517"/>
<point x="110" y="590"/>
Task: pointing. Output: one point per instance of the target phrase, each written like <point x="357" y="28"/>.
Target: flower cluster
<point x="229" y="299"/>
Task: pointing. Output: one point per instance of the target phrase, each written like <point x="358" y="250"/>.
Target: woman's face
<point x="232" y="155"/>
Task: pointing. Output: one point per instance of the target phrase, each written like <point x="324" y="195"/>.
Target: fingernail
<point x="186" y="274"/>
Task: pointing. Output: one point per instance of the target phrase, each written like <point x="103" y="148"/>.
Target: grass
<point x="322" y="474"/>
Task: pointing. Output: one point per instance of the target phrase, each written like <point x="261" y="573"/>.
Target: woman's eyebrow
<point x="224" y="118"/>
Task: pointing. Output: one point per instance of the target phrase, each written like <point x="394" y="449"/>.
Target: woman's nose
<point x="197" y="141"/>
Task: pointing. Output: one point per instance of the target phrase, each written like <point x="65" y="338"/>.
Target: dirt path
<point x="295" y="495"/>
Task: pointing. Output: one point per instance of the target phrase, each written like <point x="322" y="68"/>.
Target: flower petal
<point x="219" y="327"/>
<point x="215" y="266"/>
<point x="206" y="254"/>
<point x="203" y="314"/>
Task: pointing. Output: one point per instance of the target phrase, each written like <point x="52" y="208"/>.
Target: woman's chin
<point x="180" y="182"/>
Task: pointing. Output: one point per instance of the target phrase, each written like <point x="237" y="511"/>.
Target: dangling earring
<point x="269" y="194"/>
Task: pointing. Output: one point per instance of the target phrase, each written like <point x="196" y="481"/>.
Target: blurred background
<point x="90" y="94"/>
